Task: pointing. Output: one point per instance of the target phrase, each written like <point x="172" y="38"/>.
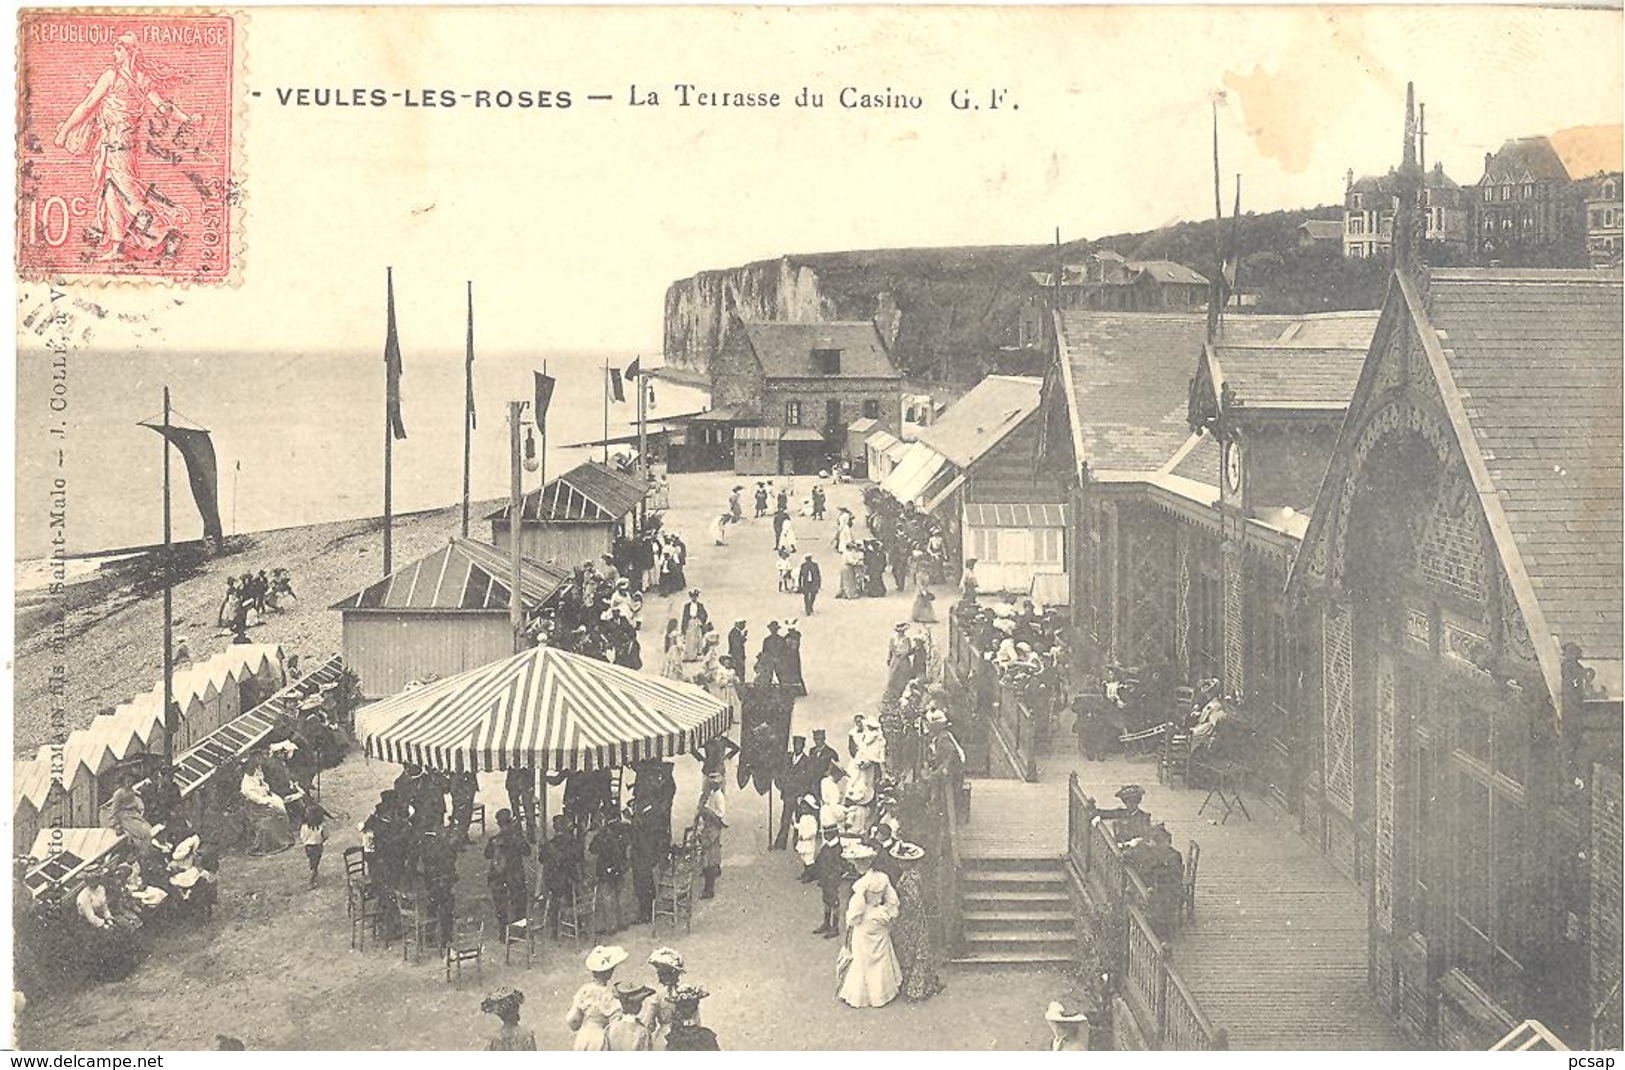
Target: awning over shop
<point x="881" y="441"/>
<point x="911" y="478"/>
<point x="1015" y="515"/>
<point x="800" y="434"/>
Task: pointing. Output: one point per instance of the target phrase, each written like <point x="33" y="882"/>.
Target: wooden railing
<point x="1018" y="726"/>
<point x="1185" y="1027"/>
<point x="953" y="921"/>
<point x="1165" y="1010"/>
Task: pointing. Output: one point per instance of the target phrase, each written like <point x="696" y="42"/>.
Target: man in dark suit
<point x="792" y="785"/>
<point x="736" y="646"/>
<point x="820" y="758"/>
<point x="808" y="580"/>
<point x="770" y="662"/>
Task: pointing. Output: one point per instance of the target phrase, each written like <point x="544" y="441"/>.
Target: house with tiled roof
<point x="1460" y="585"/>
<point x="975" y="469"/>
<point x="1108" y="280"/>
<point x="1369" y="203"/>
<point x="1135" y="409"/>
<point x="807" y="381"/>
<point x="1604" y="217"/>
<point x="1526" y="205"/>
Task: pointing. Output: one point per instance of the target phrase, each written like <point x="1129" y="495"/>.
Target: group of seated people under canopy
<point x="1131" y="707"/>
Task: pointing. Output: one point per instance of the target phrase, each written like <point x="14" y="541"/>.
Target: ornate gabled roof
<point x="1527" y="369"/>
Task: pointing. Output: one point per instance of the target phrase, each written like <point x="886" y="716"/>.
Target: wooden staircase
<point x="1015" y="910"/>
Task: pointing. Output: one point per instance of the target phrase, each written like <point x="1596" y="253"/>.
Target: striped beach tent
<point x="546" y="709"/>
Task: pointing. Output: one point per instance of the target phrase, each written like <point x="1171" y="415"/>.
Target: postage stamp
<point x="124" y="153"/>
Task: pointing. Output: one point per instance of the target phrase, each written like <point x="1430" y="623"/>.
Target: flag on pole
<point x="392" y="365"/>
<point x="468" y="362"/>
<point x="544" y="396"/>
<point x="197" y="450"/>
<point x="616" y="389"/>
<point x="632" y="370"/>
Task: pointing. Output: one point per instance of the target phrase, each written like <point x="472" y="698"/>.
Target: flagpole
<point x="389" y="441"/>
<point x="541" y="427"/>
<point x="515" y="522"/>
<point x="169" y="611"/>
<point x="643" y="443"/>
<point x="468" y="413"/>
<point x="606" y="410"/>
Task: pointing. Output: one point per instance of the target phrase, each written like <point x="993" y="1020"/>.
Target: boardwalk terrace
<point x="1397" y="536"/>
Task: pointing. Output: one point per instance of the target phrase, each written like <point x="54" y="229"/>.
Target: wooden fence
<point x="1165" y="1011"/>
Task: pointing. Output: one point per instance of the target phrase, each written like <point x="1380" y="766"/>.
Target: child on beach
<point x="785" y="573"/>
<point x="312" y="835"/>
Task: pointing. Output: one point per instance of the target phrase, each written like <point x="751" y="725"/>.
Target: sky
<point x="572" y="223"/>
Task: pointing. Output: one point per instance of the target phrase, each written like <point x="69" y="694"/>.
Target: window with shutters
<point x="792" y="414"/>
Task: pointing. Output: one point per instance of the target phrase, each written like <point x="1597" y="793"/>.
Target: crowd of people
<point x="692" y="650"/>
<point x="250" y="596"/>
<point x="610" y="1015"/>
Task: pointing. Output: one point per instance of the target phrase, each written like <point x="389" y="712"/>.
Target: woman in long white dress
<point x="871" y="977"/>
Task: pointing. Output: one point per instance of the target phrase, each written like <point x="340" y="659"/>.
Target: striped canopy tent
<point x="545" y="709"/>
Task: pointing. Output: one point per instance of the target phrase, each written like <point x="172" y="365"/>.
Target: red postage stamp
<point x="124" y="152"/>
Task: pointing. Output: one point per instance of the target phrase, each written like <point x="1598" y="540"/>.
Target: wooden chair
<point x="674" y="894"/>
<point x="476" y="816"/>
<point x="466" y="945"/>
<point x="1183" y="701"/>
<point x="1174" y="763"/>
<point x="1193" y="858"/>
<point x="367" y="916"/>
<point x="355" y="873"/>
<point x="417" y="923"/>
<point x="576" y="916"/>
<point x="524" y="931"/>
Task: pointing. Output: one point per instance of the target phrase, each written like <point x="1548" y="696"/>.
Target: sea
<point x="299" y="438"/>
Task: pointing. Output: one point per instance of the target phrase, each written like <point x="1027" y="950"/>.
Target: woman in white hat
<point x="595" y="1005"/>
<point x="659" y="1013"/>
<point x="1066" y="1026"/>
<point x="871" y="976"/>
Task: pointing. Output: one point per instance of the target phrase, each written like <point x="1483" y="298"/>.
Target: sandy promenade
<point x="275" y="967"/>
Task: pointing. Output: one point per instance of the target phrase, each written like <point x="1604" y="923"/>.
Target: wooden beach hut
<point x="575" y="518"/>
<point x="443" y="614"/>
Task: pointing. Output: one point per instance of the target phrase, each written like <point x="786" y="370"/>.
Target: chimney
<point x="1348" y="180"/>
<point x="888" y="318"/>
<point x="1488" y="156"/>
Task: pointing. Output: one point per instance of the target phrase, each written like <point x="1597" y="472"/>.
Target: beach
<point x="752" y="947"/>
